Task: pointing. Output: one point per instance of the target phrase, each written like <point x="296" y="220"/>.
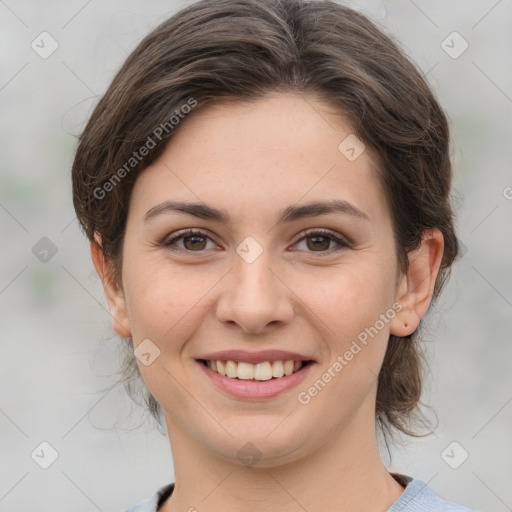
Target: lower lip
<point x="254" y="389"/>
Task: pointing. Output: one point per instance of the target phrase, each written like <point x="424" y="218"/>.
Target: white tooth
<point x="277" y="369"/>
<point x="245" y="371"/>
<point x="288" y="367"/>
<point x="221" y="368"/>
<point x="263" y="371"/>
<point x="260" y="371"/>
<point x="231" y="369"/>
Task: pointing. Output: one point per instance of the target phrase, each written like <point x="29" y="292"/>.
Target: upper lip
<point x="255" y="357"/>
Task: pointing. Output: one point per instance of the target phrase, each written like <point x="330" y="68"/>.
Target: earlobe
<point x="416" y="286"/>
<point x="114" y="294"/>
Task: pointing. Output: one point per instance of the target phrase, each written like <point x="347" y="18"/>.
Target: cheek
<point x="347" y="304"/>
<point x="347" y="297"/>
<point x="166" y="305"/>
<point x="164" y="300"/>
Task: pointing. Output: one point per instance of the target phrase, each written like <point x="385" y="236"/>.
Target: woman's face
<point x="262" y="278"/>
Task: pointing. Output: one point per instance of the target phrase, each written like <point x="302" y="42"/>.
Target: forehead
<point x="262" y="156"/>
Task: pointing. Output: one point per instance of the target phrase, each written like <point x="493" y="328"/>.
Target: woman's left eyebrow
<point x="288" y="214"/>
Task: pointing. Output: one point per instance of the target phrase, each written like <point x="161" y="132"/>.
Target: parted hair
<point x="243" y="50"/>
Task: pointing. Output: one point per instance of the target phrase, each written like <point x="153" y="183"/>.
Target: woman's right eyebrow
<point x="288" y="214"/>
<point x="200" y="210"/>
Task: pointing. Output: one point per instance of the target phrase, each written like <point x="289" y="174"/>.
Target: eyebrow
<point x="289" y="214"/>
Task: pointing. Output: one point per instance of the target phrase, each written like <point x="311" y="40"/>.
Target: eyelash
<point x="311" y="233"/>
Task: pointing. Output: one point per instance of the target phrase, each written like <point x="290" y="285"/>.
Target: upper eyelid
<point x="323" y="231"/>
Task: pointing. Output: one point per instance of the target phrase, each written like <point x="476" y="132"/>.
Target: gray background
<point x="59" y="354"/>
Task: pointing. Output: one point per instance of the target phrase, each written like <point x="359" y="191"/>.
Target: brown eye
<point x="320" y="241"/>
<point x="193" y="241"/>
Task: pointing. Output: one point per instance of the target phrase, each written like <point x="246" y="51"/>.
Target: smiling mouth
<point x="264" y="371"/>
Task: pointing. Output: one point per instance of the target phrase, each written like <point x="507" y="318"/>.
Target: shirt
<point x="417" y="497"/>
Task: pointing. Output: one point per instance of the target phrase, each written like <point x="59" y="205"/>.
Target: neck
<point x="345" y="472"/>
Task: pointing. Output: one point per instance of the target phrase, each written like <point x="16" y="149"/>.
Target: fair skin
<point x="252" y="161"/>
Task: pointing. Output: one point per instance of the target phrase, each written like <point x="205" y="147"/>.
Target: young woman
<point x="266" y="189"/>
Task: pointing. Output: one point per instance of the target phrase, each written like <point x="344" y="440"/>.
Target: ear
<point x="416" y="286"/>
<point x="115" y="295"/>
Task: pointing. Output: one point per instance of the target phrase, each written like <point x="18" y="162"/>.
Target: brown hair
<point x="243" y="50"/>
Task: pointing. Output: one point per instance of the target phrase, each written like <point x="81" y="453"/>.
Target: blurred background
<point x="60" y="406"/>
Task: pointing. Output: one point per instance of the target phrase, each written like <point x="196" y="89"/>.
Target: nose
<point x="254" y="296"/>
